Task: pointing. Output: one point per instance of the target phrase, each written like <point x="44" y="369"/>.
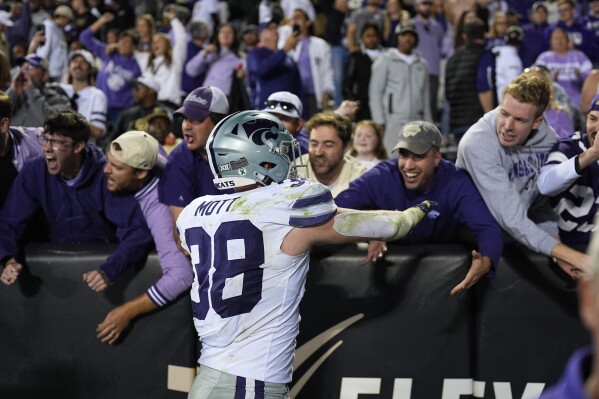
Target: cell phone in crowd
<point x="296" y="28"/>
<point x="41" y="28"/>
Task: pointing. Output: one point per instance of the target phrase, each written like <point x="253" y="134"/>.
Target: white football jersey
<point x="246" y="291"/>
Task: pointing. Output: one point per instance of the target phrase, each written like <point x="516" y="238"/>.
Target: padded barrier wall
<point x="385" y="330"/>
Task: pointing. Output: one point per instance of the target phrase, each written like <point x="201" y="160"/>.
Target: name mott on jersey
<point x="207" y="208"/>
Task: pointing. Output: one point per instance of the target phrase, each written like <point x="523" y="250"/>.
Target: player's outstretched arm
<point x="384" y="225"/>
<point x="349" y="225"/>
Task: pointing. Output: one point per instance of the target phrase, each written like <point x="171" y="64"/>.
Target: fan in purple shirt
<point x="420" y="172"/>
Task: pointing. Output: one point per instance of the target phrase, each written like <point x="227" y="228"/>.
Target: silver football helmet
<point x="250" y="147"/>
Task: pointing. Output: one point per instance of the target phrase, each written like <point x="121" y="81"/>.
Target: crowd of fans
<point x="500" y="87"/>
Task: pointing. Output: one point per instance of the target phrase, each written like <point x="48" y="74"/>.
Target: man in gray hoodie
<point x="503" y="153"/>
<point x="399" y="86"/>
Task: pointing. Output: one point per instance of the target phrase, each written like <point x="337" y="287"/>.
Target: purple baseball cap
<point x="202" y="101"/>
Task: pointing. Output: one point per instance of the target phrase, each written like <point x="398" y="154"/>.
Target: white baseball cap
<point x="149" y="81"/>
<point x="284" y="103"/>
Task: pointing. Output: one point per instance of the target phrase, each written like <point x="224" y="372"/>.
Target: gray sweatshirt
<point x="506" y="179"/>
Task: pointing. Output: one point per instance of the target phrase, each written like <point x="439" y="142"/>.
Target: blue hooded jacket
<point x="84" y="212"/>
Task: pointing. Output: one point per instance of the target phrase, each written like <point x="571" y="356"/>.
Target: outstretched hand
<point x="478" y="268"/>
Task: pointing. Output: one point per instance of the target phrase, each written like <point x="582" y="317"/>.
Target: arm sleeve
<point x="502" y="198"/>
<point x="470" y="210"/>
<point x="264" y="66"/>
<point x="177" y="274"/>
<point x="328" y="85"/>
<point x="386" y="225"/>
<point x="94" y="45"/>
<point x="135" y="240"/>
<point x="99" y="111"/>
<point x="174" y="188"/>
<point x="20" y="206"/>
<point x="197" y="65"/>
<point x="360" y="194"/>
<point x="484" y="73"/>
<point x="349" y="79"/>
<point x="376" y="88"/>
<point x="180" y="45"/>
<point x="557" y="177"/>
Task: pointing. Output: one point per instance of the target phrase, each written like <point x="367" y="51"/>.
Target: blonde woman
<point x="166" y="61"/>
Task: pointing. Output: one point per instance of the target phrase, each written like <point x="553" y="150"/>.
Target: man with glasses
<point x="187" y="175"/>
<point x="288" y="108"/>
<point x="571" y="178"/>
<point x="32" y="97"/>
<point x="69" y="186"/>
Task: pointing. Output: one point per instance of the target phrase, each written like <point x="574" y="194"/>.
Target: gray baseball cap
<point x="418" y="137"/>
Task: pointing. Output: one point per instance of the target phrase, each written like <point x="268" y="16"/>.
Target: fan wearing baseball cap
<point x="399" y="85"/>
<point x="418" y="172"/>
<point x="188" y="175"/>
<point x="89" y="101"/>
<point x="68" y="185"/>
<point x="33" y="98"/>
<point x="134" y="165"/>
<point x="288" y="108"/>
<point x="51" y="43"/>
<point x="571" y="178"/>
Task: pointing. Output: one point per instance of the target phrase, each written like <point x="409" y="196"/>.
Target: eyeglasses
<point x="285" y="106"/>
<point x="29" y="67"/>
<point x="56" y="145"/>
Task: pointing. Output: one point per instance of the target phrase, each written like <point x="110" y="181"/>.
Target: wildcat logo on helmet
<point x="258" y="130"/>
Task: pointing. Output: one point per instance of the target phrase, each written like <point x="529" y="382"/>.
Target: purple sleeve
<point x="20" y="206"/>
<point x="94" y="45"/>
<point x="484" y="71"/>
<point x="177" y="273"/>
<point x="135" y="240"/>
<point x="263" y="66"/>
<point x="472" y="211"/>
<point x="175" y="187"/>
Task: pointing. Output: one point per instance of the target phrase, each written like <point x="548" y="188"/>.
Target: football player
<point x="250" y="252"/>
